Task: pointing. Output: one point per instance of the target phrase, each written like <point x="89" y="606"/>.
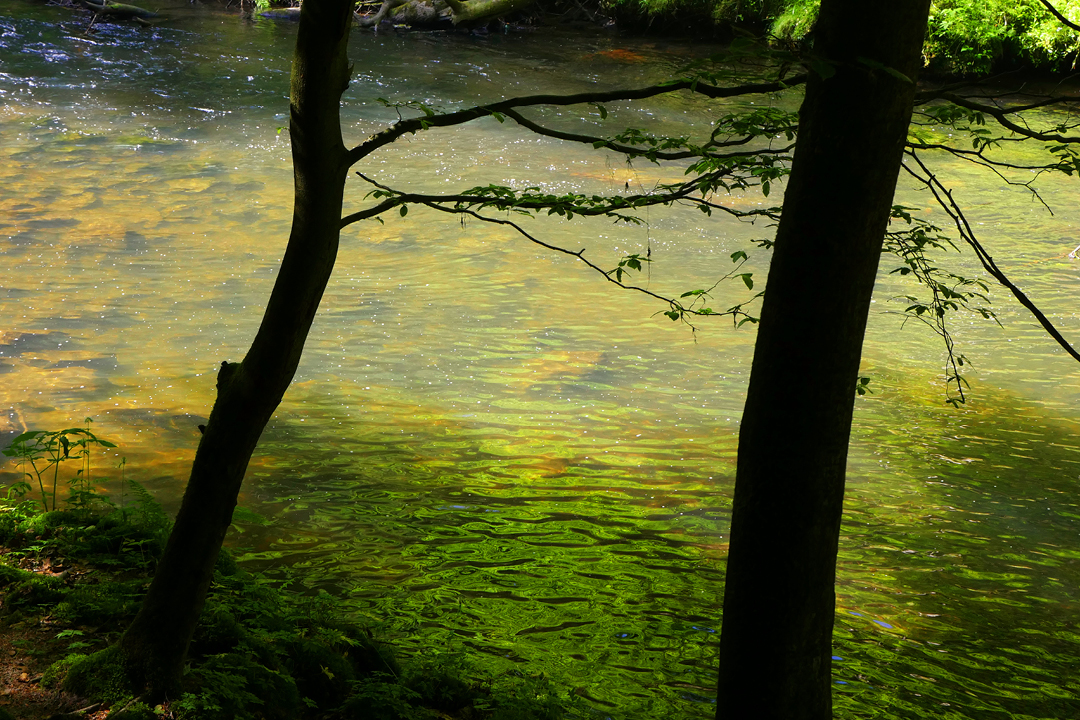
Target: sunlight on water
<point x="486" y="450"/>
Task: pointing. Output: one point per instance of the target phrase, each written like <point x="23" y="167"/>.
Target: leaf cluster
<point x="41" y="453"/>
<point x="948" y="291"/>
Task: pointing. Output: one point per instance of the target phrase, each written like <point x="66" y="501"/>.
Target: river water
<point x="488" y="451"/>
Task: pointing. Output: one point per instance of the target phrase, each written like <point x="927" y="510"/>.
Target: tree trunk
<point x="249" y="392"/>
<point x="779" y="601"/>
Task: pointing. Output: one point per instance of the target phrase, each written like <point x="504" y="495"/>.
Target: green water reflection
<point x="485" y="450"/>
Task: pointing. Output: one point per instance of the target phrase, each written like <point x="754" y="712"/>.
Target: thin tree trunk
<point x="248" y="392"/>
<point x="779" y="602"/>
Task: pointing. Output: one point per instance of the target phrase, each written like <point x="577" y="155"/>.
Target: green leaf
<point x="875" y="65"/>
<point x="824" y="68"/>
<point x="737" y="256"/>
<point x="404" y="210"/>
<point x="748" y="280"/>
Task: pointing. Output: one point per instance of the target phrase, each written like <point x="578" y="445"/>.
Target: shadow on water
<point x="960" y="567"/>
<point x="553" y="561"/>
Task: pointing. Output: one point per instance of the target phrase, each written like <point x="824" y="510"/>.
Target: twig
<point x="945" y="199"/>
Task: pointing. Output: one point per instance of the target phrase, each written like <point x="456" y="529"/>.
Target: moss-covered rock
<point x="104" y="676"/>
<point x="54" y="675"/>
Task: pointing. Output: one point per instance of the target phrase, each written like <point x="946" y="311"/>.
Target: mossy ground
<point x="70" y="581"/>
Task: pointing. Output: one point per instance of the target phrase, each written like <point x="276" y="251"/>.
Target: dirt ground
<point x="25" y="652"/>
<point x="27" y="648"/>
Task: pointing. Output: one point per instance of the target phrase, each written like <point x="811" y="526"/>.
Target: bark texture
<point x="775" y="646"/>
<point x="248" y="392"/>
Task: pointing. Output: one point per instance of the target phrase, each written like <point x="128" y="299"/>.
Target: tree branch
<point x="599" y="142"/>
<point x="677" y="307"/>
<point x="593" y="207"/>
<point x="413" y="125"/>
<point x="945" y="199"/>
<point x="1001" y="115"/>
<point x="1061" y="18"/>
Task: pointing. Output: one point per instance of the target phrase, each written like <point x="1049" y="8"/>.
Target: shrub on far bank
<point x="964" y="37"/>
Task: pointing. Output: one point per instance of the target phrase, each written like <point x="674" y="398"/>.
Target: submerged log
<point x="119" y="11"/>
<point x="290" y="14"/>
<point x="479" y="10"/>
<point x="428" y="13"/>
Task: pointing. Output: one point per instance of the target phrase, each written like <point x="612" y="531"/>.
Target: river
<point x="489" y="452"/>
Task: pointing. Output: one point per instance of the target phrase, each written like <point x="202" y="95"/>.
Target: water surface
<point x="488" y="450"/>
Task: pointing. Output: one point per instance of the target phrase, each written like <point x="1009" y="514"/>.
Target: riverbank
<point x="71" y="581"/>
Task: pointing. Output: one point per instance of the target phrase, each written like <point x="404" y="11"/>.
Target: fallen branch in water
<point x="120" y="10"/>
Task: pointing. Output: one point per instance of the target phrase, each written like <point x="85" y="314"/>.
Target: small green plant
<point x="44" y="451"/>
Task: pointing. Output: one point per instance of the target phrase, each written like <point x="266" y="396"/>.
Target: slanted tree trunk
<point x="779" y="602"/>
<point x="249" y="391"/>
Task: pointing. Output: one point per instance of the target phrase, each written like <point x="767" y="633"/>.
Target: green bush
<point x="973" y="36"/>
<point x="795" y="20"/>
<point x="980" y="36"/>
<point x="963" y="36"/>
<point x="236" y="686"/>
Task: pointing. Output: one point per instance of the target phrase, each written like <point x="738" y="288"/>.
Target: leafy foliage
<point x="963" y="36"/>
<point x="949" y="292"/>
<point x="973" y="36"/>
<point x="978" y="36"/>
<point x="41" y="453"/>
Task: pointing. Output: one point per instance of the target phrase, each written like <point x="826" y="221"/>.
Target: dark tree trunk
<point x="249" y="391"/>
<point x="775" y="646"/>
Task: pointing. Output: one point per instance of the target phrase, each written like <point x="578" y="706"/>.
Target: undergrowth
<point x="260" y="652"/>
<point x="964" y="37"/>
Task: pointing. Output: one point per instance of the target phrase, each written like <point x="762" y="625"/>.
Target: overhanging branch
<point x="413" y="125"/>
<point x="1002" y="116"/>
<point x="945" y="199"/>
<point x="1061" y="18"/>
<point x="615" y="207"/>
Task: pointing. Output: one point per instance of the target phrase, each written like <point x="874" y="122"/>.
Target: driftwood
<point x="290" y="14"/>
<point x="427" y="13"/>
<point x="119" y="11"/>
